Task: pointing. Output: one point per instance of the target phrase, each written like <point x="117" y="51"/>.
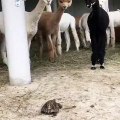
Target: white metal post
<point x="16" y="42"/>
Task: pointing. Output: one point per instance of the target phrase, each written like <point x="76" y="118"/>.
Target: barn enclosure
<point x="83" y="93"/>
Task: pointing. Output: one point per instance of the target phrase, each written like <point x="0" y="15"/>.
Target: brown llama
<point x="48" y="28"/>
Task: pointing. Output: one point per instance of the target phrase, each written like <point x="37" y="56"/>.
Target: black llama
<point x="98" y="21"/>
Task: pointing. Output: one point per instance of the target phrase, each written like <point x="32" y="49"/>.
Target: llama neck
<point x="36" y="13"/>
<point x="96" y="7"/>
<point x="58" y="14"/>
<point x="107" y="6"/>
<point x="48" y="8"/>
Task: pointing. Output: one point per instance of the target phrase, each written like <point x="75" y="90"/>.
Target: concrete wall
<point x="114" y="4"/>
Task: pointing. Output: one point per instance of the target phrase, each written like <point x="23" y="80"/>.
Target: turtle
<point x="51" y="107"/>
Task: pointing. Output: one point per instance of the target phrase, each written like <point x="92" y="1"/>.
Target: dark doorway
<point x="0" y="6"/>
<point x="30" y="5"/>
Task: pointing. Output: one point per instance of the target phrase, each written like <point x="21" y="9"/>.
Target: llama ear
<point x="47" y="1"/>
<point x="70" y="3"/>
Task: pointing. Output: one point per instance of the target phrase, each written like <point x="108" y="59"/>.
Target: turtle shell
<point x="51" y="107"/>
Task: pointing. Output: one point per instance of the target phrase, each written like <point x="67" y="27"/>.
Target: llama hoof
<point x="5" y="61"/>
<point x="102" y="67"/>
<point x="51" y="60"/>
<point x="59" y="48"/>
<point x="59" y="51"/>
<point x="78" y="50"/>
<point x="107" y="46"/>
<point x="93" y="68"/>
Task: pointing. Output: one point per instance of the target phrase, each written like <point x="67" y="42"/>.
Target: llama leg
<point x="94" y="56"/>
<point x="50" y="48"/>
<point x="75" y="35"/>
<point x="29" y="42"/>
<point x="59" y="42"/>
<point x="29" y="45"/>
<point x="108" y="36"/>
<point x="102" y="44"/>
<point x="82" y="35"/>
<point x="4" y="52"/>
<point x="77" y="41"/>
<point x="112" y="30"/>
<point x="94" y="59"/>
<point x="41" y="44"/>
<point x="54" y="38"/>
<point x="88" y="40"/>
<point x="67" y="39"/>
<point x="101" y="56"/>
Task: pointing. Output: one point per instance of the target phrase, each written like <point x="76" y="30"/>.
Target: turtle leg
<point x="60" y="106"/>
<point x="54" y="114"/>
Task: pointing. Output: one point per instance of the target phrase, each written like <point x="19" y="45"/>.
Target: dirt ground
<point x="83" y="93"/>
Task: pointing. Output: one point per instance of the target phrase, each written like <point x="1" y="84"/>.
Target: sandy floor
<point x="84" y="94"/>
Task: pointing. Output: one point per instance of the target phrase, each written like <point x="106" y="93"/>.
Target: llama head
<point x="90" y="3"/>
<point x="104" y="4"/>
<point x="48" y="2"/>
<point x="65" y="3"/>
